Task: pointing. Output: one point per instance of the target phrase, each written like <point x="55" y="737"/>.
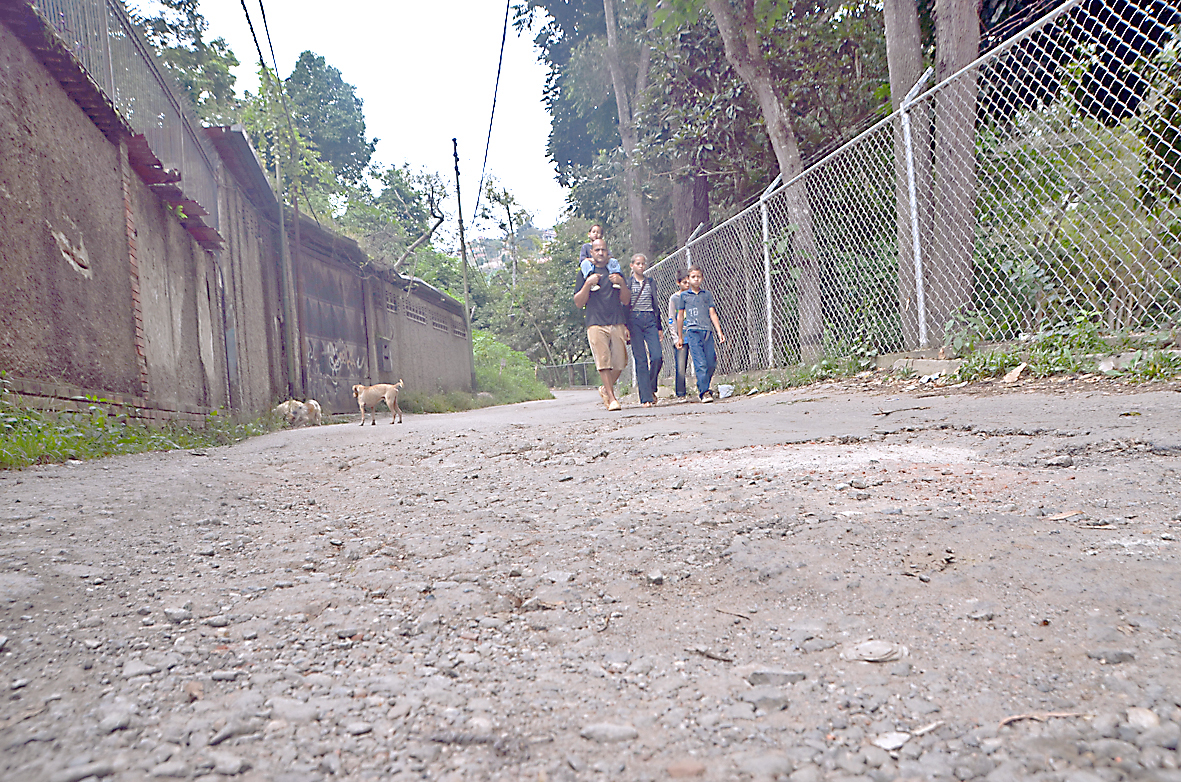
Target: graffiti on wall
<point x="334" y="367"/>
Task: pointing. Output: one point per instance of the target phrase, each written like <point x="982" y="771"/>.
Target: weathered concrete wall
<point x="419" y="340"/>
<point x="65" y="291"/>
<point x="183" y="325"/>
<point x="103" y="288"/>
<point x="250" y="263"/>
<point x="332" y="321"/>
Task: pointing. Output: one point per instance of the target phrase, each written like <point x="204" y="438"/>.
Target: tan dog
<point x="297" y="413"/>
<point x="369" y="396"/>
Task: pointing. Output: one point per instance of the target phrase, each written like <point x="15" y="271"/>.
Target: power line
<point x="283" y="97"/>
<point x="257" y="48"/>
<point x="492" y="115"/>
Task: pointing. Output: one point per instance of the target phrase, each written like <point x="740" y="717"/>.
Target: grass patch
<point x="30" y="436"/>
<point x="831" y="367"/>
<point x="1072" y="347"/>
<point x="1153" y="365"/>
<point x="506" y="374"/>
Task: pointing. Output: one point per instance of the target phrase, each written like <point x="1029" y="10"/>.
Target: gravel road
<point x="849" y="581"/>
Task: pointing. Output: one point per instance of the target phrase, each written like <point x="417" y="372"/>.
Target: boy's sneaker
<point x="707" y="397"/>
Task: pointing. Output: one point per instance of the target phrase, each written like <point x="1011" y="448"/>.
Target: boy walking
<point x="680" y="352"/>
<point x="697" y="322"/>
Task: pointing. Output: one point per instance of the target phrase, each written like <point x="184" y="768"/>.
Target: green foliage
<point x="265" y="121"/>
<point x="505" y="373"/>
<point x="201" y="68"/>
<point x="1071" y="346"/>
<point x="696" y="119"/>
<point x="1082" y="218"/>
<point x="1154" y="365"/>
<point x="831" y="367"/>
<point x="30" y="436"/>
<point x="984" y="364"/>
<point x="539" y="318"/>
<point x="329" y="113"/>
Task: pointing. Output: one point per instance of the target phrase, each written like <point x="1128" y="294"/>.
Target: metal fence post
<point x="767" y="267"/>
<point x="919" y="287"/>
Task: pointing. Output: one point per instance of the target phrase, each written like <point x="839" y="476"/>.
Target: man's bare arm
<point x="582" y="295"/>
<point x="625" y="290"/>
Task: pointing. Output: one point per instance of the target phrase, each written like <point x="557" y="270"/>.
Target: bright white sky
<point x="426" y="72"/>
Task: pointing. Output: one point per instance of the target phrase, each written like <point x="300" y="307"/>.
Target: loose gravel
<point x="842" y="582"/>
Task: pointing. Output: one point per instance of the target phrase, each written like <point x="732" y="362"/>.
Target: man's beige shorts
<point x="608" y="345"/>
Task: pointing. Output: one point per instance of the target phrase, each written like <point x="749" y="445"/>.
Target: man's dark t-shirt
<point x="603" y="308"/>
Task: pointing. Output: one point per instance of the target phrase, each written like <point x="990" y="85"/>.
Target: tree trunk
<point x="957" y="42"/>
<point x="637" y="210"/>
<point x="690" y="199"/>
<point x="743" y="45"/>
<point x="905" y="57"/>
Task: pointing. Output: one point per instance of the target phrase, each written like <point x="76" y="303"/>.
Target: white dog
<point x="297" y="413"/>
<point x="370" y="396"/>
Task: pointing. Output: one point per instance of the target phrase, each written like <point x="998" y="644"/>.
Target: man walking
<point x="606" y="316"/>
<point x="646" y="332"/>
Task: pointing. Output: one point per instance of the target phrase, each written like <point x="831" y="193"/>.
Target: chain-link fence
<point x="582" y="374"/>
<point x="1041" y="182"/>
<point x="115" y="55"/>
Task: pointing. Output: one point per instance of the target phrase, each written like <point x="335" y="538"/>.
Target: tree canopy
<point x="328" y="111"/>
<point x="201" y="67"/>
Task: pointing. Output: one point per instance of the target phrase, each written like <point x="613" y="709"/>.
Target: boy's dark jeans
<point x="705" y="357"/>
<point x="645" y="331"/>
<point x="681" y="361"/>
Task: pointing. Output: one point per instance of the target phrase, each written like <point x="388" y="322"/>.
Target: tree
<point x="740" y="28"/>
<point x="302" y="168"/>
<point x="515" y="219"/>
<point x="200" y="67"/>
<point x="957" y="43"/>
<point x="328" y="111"/>
<point x="539" y="318"/>
<point x="625" y="102"/>
<point x="392" y="226"/>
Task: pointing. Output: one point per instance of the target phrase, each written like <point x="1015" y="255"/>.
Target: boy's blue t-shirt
<point x="696" y="307"/>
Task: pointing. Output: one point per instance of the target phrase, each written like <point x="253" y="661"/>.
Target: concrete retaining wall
<point x="108" y="290"/>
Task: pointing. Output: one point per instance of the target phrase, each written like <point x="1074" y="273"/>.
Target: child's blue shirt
<point x="696" y="307"/>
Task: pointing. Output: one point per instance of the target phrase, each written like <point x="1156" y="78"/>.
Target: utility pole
<point x="467" y="317"/>
<point x="290" y="327"/>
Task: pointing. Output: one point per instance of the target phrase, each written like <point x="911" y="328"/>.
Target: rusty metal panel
<point x="334" y="333"/>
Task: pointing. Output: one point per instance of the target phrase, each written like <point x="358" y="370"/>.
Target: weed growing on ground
<point x="831" y="367"/>
<point x="33" y="437"/>
<point x="987" y="363"/>
<point x="1153" y="365"/>
<point x="1073" y="346"/>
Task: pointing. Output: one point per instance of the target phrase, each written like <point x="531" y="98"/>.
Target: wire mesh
<point x="118" y="59"/>
<point x="1047" y="185"/>
<point x="582" y="374"/>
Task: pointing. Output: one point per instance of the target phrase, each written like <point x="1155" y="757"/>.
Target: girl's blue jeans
<point x="645" y="333"/>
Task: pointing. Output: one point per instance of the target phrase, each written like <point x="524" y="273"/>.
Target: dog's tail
<point x="398" y="384"/>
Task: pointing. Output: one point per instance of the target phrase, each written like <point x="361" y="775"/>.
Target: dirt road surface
<point x="553" y="592"/>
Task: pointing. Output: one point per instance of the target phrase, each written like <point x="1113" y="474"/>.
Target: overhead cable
<point x="492" y="115"/>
